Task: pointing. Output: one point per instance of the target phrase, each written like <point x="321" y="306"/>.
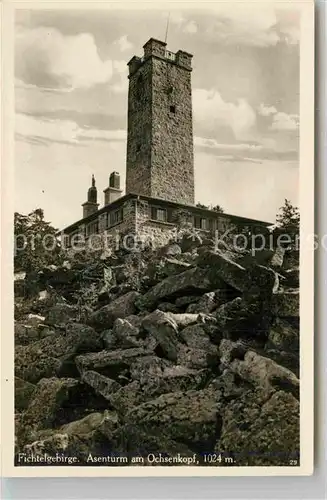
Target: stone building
<point x="159" y="190"/>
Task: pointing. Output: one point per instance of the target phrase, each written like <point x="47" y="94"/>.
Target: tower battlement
<point x="157" y="48"/>
<point x="160" y="132"/>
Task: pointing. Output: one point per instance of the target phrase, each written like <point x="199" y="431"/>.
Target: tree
<point x="288" y="218"/>
<point x="218" y="209"/>
<point x="36" y="243"/>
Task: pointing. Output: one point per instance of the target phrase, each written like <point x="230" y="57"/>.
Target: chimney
<point x="91" y="205"/>
<point x="113" y="192"/>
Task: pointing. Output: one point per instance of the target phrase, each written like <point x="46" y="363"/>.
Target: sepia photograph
<point x="162" y="158"/>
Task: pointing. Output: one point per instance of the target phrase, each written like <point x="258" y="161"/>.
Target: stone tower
<point x="160" y="133"/>
<point x="91" y="205"/>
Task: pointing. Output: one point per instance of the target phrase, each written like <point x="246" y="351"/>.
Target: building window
<point x="172" y="109"/>
<point x="159" y="214"/>
<point x="92" y="228"/>
<point x="115" y="217"/>
<point x="204" y="224"/>
<point x="201" y="223"/>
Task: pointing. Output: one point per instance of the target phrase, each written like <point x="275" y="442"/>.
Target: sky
<point x="71" y="103"/>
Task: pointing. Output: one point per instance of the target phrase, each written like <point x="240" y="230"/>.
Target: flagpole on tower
<point x="167" y="27"/>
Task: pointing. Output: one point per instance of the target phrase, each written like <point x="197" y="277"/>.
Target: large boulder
<point x="173" y="379"/>
<point x="125" y="335"/>
<point x="54" y="354"/>
<point x="25" y="334"/>
<point x="119" y="308"/>
<point x="77" y="440"/>
<point x="283" y="336"/>
<point x="241" y="318"/>
<point x="170" y="250"/>
<point x="265" y="373"/>
<point x="257" y="432"/>
<point x="208" y="302"/>
<point x="31" y="364"/>
<point x="193" y="281"/>
<point x="102" y="385"/>
<point x="195" y="336"/>
<point x="198" y="358"/>
<point x="229" y="351"/>
<point x="23" y="394"/>
<point x="61" y="314"/>
<point x="287" y="304"/>
<point x="113" y="364"/>
<point x="148" y="366"/>
<point x="171" y="267"/>
<point x="256" y="280"/>
<point x="164" y="329"/>
<point x="191" y="418"/>
<point x="93" y="421"/>
<point x="229" y="271"/>
<point x="48" y="398"/>
<point x="292" y="277"/>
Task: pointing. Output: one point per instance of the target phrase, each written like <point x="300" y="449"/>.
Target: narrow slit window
<point x="172" y="109"/>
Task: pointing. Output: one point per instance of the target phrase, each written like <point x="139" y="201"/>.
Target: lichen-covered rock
<point x="49" y="396"/>
<point x="88" y="424"/>
<point x="259" y="432"/>
<point x="292" y="277"/>
<point x="191" y="418"/>
<point x="25" y="334"/>
<point x="265" y="373"/>
<point x="23" y="393"/>
<point x="172" y="267"/>
<point x="229" y="351"/>
<point x="192" y="280"/>
<point x="125" y="334"/>
<point x="119" y="308"/>
<point x="284" y="336"/>
<point x="51" y="355"/>
<point x="168" y="307"/>
<point x="148" y="366"/>
<point x="164" y="329"/>
<point x="60" y="314"/>
<point x="170" y="250"/>
<point x="31" y="364"/>
<point x="148" y="387"/>
<point x="203" y="357"/>
<point x="195" y="336"/>
<point x="207" y="303"/>
<point x="278" y="257"/>
<point x="287" y="304"/>
<point x="187" y="300"/>
<point x="112" y="363"/>
<point x="198" y="358"/>
<point x="229" y="271"/>
<point x="102" y="385"/>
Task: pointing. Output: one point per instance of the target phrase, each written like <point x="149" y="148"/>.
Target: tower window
<point x="172" y="109"/>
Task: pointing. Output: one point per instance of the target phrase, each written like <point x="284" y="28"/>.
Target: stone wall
<point x="138" y="160"/>
<point x="160" y="135"/>
<point x="172" y="165"/>
<point x="137" y="219"/>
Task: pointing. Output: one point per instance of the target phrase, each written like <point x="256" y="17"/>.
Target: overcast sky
<point x="71" y="103"/>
